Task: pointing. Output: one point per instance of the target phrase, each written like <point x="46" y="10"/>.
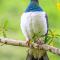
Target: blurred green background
<point x="10" y="14"/>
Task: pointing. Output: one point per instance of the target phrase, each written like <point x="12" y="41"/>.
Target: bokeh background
<point x="10" y="14"/>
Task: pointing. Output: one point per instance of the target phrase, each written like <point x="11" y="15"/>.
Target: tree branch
<point x="22" y="43"/>
<point x="12" y="42"/>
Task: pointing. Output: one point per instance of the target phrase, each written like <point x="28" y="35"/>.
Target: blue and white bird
<point x="34" y="25"/>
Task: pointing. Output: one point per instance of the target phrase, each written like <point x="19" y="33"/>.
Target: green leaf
<point x="5" y="26"/>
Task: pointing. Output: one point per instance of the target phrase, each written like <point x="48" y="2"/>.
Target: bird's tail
<point x="31" y="57"/>
<point x="45" y="57"/>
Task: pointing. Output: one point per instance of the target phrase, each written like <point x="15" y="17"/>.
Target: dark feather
<point x="31" y="57"/>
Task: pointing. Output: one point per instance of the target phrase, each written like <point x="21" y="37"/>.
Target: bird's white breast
<point x="33" y="23"/>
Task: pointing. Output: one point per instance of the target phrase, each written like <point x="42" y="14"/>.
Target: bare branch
<point x="22" y="43"/>
<point x="12" y="41"/>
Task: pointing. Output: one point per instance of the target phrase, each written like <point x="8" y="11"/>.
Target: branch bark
<point x="22" y="43"/>
<point x="12" y="42"/>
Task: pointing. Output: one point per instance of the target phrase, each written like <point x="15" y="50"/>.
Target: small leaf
<point x="5" y="25"/>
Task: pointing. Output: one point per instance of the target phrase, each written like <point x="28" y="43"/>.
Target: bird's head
<point x="35" y="0"/>
<point x="34" y="6"/>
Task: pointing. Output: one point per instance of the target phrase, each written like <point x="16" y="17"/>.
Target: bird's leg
<point x="40" y="41"/>
<point x="28" y="41"/>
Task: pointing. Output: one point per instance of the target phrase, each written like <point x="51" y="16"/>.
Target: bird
<point x="34" y="25"/>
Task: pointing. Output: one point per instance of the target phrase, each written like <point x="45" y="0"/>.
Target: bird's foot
<point x="28" y="43"/>
<point x="39" y="41"/>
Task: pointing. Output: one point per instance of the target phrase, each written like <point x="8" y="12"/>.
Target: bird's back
<point x="34" y="23"/>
